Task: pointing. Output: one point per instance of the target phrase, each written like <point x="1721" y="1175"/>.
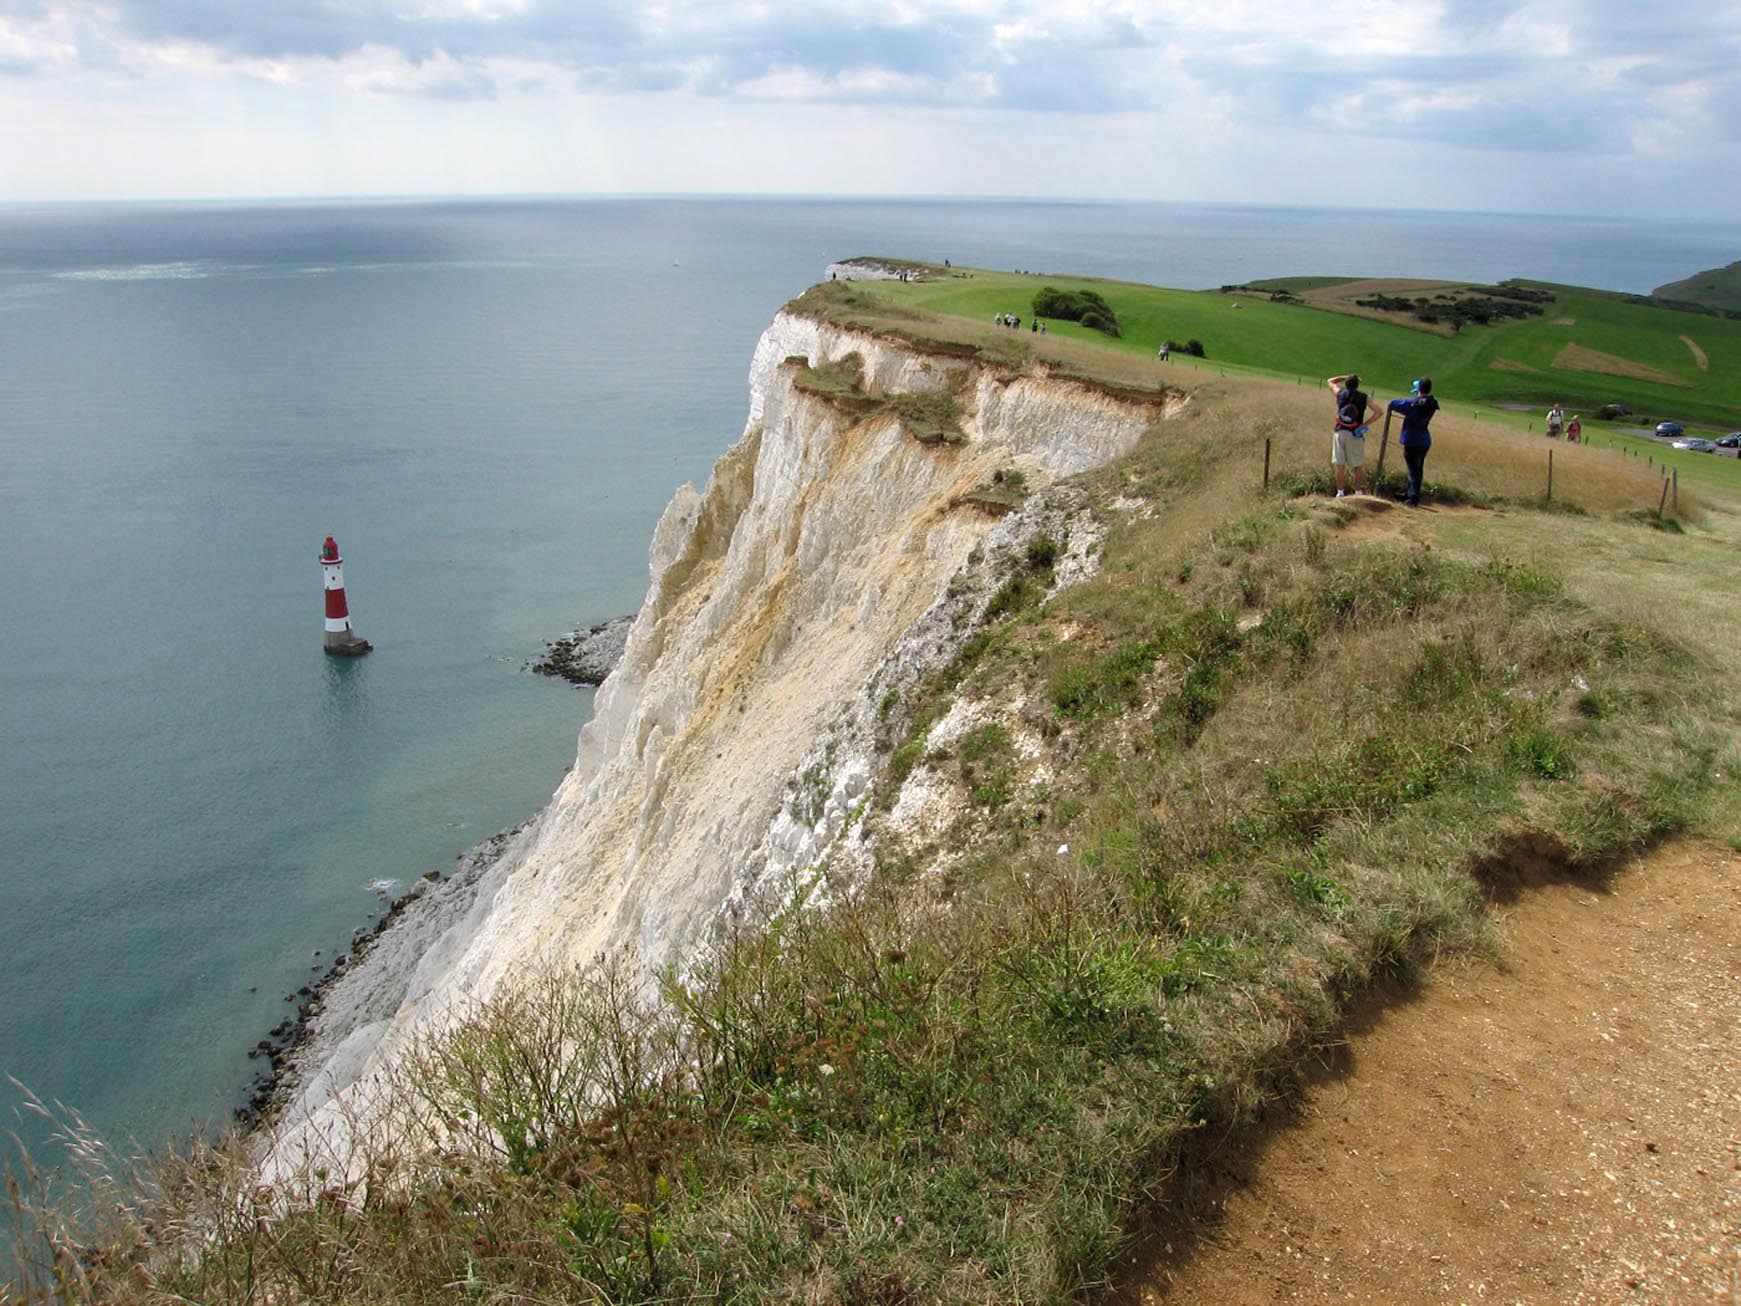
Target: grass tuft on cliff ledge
<point x="1277" y="747"/>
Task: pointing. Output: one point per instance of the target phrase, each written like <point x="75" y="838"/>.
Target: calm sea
<point x="488" y="404"/>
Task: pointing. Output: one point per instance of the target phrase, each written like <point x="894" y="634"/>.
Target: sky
<point x="1604" y="107"/>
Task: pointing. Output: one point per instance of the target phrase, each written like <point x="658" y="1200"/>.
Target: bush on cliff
<point x="1085" y="306"/>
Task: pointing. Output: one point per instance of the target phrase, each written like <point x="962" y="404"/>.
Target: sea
<point x="488" y="403"/>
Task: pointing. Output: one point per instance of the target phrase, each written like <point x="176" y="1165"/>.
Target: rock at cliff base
<point x="586" y="657"/>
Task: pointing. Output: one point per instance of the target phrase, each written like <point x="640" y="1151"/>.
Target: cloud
<point x="1598" y="77"/>
<point x="34" y="40"/>
<point x="440" y="77"/>
<point x="1593" y="77"/>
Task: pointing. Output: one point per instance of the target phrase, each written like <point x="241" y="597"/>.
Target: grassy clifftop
<point x="1139" y="843"/>
<point x="1587" y="348"/>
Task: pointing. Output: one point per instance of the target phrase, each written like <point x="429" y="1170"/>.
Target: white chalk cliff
<point x="811" y="575"/>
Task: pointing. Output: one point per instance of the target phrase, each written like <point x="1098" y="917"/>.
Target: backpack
<point x="1350" y="409"/>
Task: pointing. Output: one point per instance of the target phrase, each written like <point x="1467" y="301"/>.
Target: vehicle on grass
<point x="1695" y="444"/>
<point x="1730" y="441"/>
<point x="1670" y="429"/>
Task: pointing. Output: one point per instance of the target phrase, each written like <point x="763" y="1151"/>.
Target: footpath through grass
<point x="1202" y="799"/>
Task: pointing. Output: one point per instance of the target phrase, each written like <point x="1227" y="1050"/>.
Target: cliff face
<point x="730" y="747"/>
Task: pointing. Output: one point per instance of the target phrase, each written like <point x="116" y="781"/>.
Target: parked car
<point x="1730" y="441"/>
<point x="1695" y="444"/>
<point x="1669" y="430"/>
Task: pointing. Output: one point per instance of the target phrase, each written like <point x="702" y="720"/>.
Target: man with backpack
<point x="1354" y="409"/>
<point x="1417" y="411"/>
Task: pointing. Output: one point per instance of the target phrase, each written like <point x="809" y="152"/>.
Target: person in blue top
<point x="1417" y="413"/>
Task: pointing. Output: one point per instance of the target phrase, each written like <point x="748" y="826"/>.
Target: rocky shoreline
<point x="348" y="994"/>
<point x="585" y="657"/>
<point x="323" y="1016"/>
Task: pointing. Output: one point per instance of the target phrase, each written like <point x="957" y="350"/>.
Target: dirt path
<point x="1565" y="1128"/>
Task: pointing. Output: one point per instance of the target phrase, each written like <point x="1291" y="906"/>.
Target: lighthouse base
<point x="345" y="644"/>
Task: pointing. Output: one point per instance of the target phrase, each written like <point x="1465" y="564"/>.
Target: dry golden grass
<point x="1480" y="457"/>
<point x="1340" y="299"/>
<point x="1576" y="358"/>
<point x="1684" y="585"/>
<point x="1703" y="362"/>
<point x="1351" y="290"/>
<point x="1510" y="365"/>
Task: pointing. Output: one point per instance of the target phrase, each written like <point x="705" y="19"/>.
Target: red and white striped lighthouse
<point x="340" y="638"/>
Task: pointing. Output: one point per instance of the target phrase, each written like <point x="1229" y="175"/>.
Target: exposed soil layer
<point x="1564" y="1127"/>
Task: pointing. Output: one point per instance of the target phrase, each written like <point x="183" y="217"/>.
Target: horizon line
<point x="839" y="197"/>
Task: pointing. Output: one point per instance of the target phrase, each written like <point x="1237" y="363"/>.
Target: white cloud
<point x="28" y="45"/>
<point x="1234" y="94"/>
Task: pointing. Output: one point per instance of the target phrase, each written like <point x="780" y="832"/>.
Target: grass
<point x="1309" y="342"/>
<point x="1211" y="793"/>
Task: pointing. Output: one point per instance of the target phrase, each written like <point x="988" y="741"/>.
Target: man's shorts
<point x="1348" y="450"/>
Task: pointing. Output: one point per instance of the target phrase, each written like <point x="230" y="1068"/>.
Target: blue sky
<point x="1558" y="106"/>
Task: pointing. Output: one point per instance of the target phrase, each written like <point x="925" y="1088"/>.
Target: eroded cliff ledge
<point x="840" y="549"/>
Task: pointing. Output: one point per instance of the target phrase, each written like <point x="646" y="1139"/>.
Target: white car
<point x="1695" y="444"/>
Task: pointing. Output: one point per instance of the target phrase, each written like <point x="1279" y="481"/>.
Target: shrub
<point x="1084" y="306"/>
<point x="1042" y="552"/>
<point x="1478" y="304"/>
<point x="1012" y="596"/>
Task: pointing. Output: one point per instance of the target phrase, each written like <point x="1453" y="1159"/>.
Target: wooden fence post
<point x="1664" y="500"/>
<point x="1266" y="464"/>
<point x="1383" y="444"/>
<point x="1550" y="475"/>
<point x="1677" y="489"/>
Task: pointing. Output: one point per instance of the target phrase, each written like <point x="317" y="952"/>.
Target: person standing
<point x="1574" y="430"/>
<point x="1348" y="441"/>
<point x="1556" y="419"/>
<point x="1417" y="413"/>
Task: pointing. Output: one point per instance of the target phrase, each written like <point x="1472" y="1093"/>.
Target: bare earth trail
<point x="1562" y="1127"/>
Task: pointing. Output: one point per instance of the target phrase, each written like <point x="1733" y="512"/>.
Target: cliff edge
<point x="730" y="749"/>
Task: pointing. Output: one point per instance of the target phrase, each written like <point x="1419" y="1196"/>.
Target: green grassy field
<point x="1517" y="363"/>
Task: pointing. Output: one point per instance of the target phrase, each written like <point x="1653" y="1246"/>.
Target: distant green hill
<point x="1719" y="287"/>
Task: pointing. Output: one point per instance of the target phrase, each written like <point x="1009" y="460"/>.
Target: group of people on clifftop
<point x="1557" y="424"/>
<point x="1356" y="411"/>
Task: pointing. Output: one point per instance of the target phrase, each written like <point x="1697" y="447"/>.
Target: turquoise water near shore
<point x="488" y="403"/>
